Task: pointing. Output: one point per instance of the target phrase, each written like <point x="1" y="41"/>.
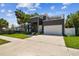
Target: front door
<point x="34" y="27"/>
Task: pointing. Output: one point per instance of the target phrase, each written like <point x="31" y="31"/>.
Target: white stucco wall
<point x="40" y="28"/>
<point x="69" y="31"/>
<point x="53" y="29"/>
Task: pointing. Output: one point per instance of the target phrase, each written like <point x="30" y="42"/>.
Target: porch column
<point x="42" y="27"/>
<point x="28" y="27"/>
<point x="63" y="25"/>
<point x="37" y="24"/>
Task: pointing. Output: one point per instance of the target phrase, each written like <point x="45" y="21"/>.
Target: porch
<point x="36" y="25"/>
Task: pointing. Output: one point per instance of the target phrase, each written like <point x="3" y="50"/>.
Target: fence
<point x="69" y="31"/>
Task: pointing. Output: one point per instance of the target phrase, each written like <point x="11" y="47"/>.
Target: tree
<point x="3" y="24"/>
<point x="73" y="21"/>
<point x="75" y="18"/>
<point x="12" y="28"/>
<point x="22" y="18"/>
<point x="69" y="22"/>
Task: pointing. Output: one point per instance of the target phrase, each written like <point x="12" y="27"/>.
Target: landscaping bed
<point x="3" y="41"/>
<point x="17" y="35"/>
<point x="72" y="41"/>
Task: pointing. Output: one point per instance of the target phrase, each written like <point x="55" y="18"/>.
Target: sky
<point x="7" y="10"/>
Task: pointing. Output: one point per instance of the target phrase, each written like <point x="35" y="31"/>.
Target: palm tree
<point x="22" y="18"/>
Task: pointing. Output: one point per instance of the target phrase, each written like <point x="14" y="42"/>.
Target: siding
<point x="53" y="22"/>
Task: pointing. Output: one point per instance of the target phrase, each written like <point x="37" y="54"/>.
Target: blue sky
<point x="7" y="9"/>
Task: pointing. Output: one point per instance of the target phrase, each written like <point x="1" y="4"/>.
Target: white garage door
<point x="53" y="29"/>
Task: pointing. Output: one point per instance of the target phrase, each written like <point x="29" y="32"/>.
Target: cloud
<point x="26" y="12"/>
<point x="9" y="14"/>
<point x="67" y="4"/>
<point x="2" y="11"/>
<point x="64" y="7"/>
<point x="9" y="11"/>
<point x="2" y="5"/>
<point x="50" y="13"/>
<point x="37" y="5"/>
<point x="52" y="7"/>
<point x="29" y="6"/>
<point x="42" y="13"/>
<point x="32" y="9"/>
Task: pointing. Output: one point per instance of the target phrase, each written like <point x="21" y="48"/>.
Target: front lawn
<point x="3" y="41"/>
<point x="17" y="35"/>
<point x="72" y="41"/>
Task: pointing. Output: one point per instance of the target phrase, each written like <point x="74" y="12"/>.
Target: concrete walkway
<point x="40" y="45"/>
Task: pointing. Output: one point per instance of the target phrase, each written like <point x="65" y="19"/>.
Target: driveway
<point x="40" y="45"/>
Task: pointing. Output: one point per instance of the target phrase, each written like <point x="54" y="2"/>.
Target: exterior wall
<point x="69" y="31"/>
<point x="40" y="28"/>
<point x="53" y="29"/>
<point x="51" y="25"/>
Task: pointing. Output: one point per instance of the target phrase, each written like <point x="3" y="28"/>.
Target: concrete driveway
<point x="40" y="45"/>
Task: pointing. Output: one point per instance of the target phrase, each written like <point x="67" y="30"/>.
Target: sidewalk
<point x="10" y="38"/>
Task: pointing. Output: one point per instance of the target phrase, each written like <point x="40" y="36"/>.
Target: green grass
<point x="72" y="41"/>
<point x="3" y="41"/>
<point x="17" y="35"/>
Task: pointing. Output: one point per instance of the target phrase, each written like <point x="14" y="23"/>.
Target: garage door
<point x="53" y="29"/>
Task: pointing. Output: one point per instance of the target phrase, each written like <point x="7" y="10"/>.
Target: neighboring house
<point x="47" y="25"/>
<point x="20" y="28"/>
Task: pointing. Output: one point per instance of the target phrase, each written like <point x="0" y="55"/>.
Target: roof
<point x="40" y="16"/>
<point x="36" y="18"/>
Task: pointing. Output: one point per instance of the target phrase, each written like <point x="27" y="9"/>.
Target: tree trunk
<point x="0" y="30"/>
